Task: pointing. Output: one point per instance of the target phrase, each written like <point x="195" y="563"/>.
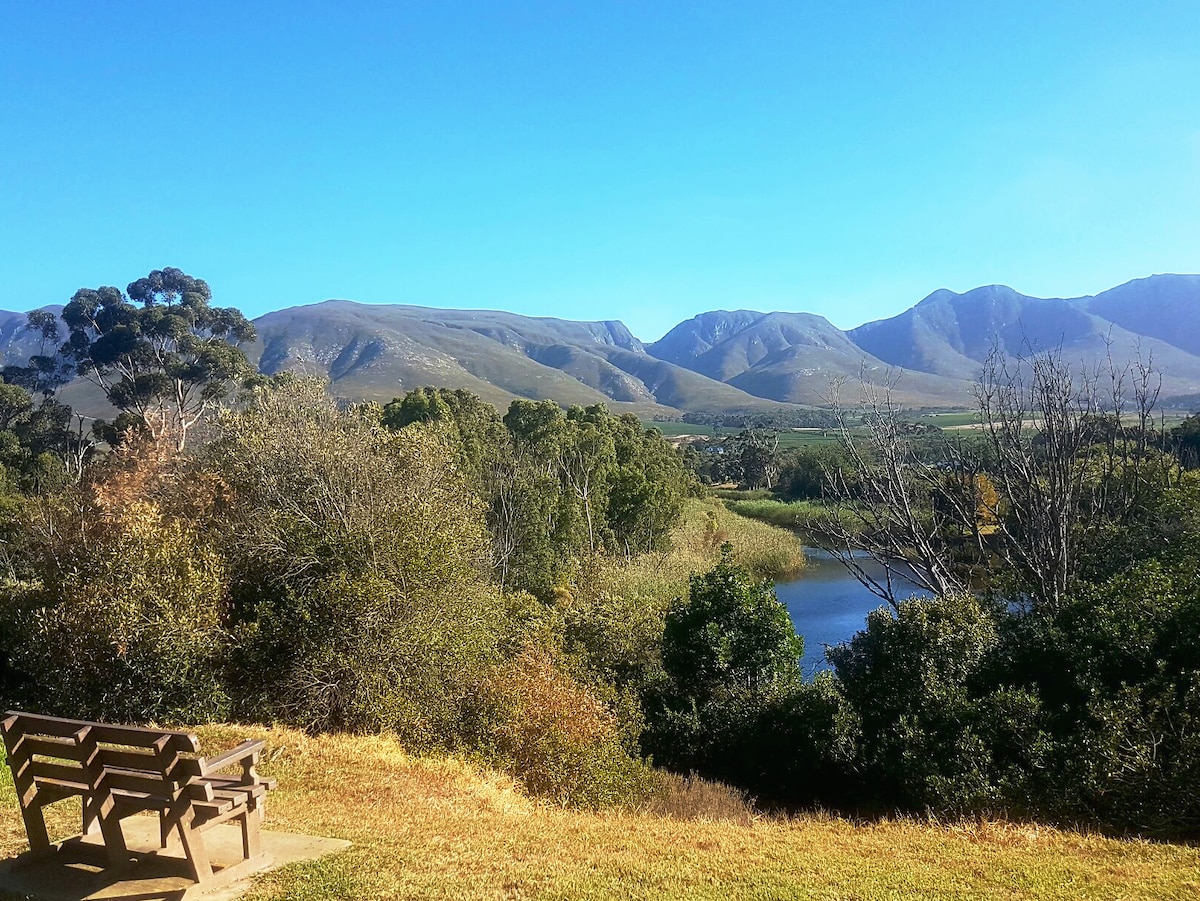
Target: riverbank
<point x="631" y="596"/>
<point x="767" y="550"/>
<point x="807" y="518"/>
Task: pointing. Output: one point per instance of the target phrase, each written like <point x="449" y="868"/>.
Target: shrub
<point x="128" y="628"/>
<point x="557" y="739"/>
<point x="358" y="558"/>
<point x="730" y="634"/>
<point x="930" y="722"/>
<point x="359" y="654"/>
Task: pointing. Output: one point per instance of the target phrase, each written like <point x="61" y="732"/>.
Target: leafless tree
<point x="888" y="515"/>
<point x="1070" y="451"/>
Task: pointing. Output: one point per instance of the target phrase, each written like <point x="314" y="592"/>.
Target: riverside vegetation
<point x="546" y="594"/>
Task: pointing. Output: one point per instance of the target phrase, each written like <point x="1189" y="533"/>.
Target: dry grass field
<point x="444" y="829"/>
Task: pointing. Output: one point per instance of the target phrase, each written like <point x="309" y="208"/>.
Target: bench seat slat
<point x="216" y="806"/>
<point x="56" y="786"/>
<point x="154" y="784"/>
<point x="237" y="797"/>
<point x="257" y="789"/>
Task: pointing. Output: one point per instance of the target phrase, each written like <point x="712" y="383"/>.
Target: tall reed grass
<point x="805" y="517"/>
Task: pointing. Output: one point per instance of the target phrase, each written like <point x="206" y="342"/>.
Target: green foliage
<point x="356" y="555"/>
<point x="814" y="472"/>
<point x="126" y="625"/>
<point x="1185" y="440"/>
<point x="789" y="744"/>
<point x="1117" y="671"/>
<point x="421" y="405"/>
<point x="731" y="660"/>
<point x="556" y="485"/>
<point x="167" y="361"/>
<point x="730" y="635"/>
<point x="37" y="443"/>
<point x="627" y="483"/>
<point x="361" y="654"/>
<point x="806" y="517"/>
<point x="928" y="733"/>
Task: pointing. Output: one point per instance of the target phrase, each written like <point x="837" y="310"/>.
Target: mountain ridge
<point x="719" y="360"/>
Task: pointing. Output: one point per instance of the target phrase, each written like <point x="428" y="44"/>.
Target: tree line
<point x="516" y="586"/>
<point x="238" y="547"/>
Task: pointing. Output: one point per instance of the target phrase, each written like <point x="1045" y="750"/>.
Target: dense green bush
<point x="913" y="678"/>
<point x="357" y="558"/>
<point x="1117" y="674"/>
<point x="124" y="624"/>
<point x="729" y="635"/>
<point x="732" y="689"/>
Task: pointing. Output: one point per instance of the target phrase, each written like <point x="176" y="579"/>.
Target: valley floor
<point x="440" y="828"/>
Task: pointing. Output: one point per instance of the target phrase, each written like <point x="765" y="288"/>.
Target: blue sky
<point x="636" y="161"/>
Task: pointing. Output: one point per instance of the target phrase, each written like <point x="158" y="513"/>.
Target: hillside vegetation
<point x="545" y="594"/>
<point x="443" y="828"/>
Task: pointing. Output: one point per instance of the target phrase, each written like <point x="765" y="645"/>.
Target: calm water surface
<point x="828" y="605"/>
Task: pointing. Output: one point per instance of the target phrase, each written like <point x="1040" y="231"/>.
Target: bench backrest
<point x="80" y="757"/>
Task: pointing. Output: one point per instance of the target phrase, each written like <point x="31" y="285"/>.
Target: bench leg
<point x="31" y="810"/>
<point x="35" y="828"/>
<point x="197" y="853"/>
<point x="104" y="811"/>
<point x="91" y="823"/>
<point x="251" y="842"/>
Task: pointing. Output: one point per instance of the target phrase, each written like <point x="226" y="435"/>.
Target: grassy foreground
<point x="440" y="828"/>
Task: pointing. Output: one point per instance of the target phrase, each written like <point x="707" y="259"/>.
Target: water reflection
<point x="828" y="605"/>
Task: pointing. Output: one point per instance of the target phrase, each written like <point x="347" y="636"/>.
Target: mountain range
<point x="719" y="361"/>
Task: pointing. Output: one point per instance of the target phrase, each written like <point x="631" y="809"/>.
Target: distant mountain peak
<point x="719" y="360"/>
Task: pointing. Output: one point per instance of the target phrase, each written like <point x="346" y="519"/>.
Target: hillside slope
<point x="377" y="352"/>
<point x="1166" y="307"/>
<point x="441" y="828"/>
<point x="795" y="357"/>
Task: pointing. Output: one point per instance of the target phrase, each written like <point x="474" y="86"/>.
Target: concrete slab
<point x="155" y="874"/>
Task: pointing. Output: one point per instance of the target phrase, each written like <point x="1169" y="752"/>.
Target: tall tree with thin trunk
<point x="163" y="355"/>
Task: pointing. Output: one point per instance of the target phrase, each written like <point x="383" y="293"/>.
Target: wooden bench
<point x="122" y="770"/>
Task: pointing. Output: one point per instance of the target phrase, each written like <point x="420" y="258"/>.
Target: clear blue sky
<point x="642" y="161"/>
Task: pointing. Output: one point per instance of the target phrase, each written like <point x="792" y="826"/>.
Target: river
<point x="828" y="605"/>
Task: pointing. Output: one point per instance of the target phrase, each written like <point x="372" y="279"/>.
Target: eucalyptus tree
<point x="161" y="353"/>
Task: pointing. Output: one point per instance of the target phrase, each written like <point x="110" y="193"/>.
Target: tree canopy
<point x="163" y="354"/>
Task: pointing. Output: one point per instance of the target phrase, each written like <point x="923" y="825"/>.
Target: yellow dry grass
<point x="440" y="828"/>
<point x="766" y="550"/>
